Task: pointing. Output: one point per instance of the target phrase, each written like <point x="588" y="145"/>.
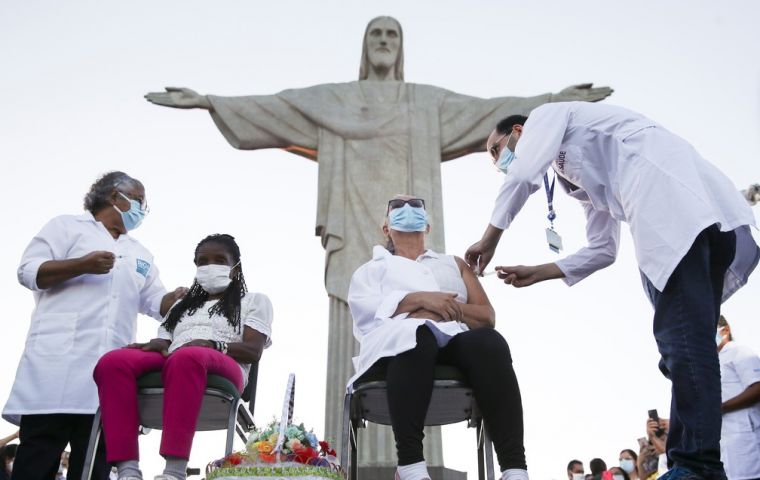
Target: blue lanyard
<point x="550" y="197"/>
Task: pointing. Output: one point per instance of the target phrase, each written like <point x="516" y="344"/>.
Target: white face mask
<point x="618" y="477"/>
<point x="214" y="278"/>
<point x="578" y="476"/>
<point x="627" y="465"/>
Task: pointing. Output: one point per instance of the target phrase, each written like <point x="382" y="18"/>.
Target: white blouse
<point x="255" y="312"/>
<point x="376" y="289"/>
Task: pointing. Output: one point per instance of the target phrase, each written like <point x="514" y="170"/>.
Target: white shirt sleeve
<point x="51" y="243"/>
<point x="747" y="365"/>
<point x="536" y="150"/>
<point x="259" y="315"/>
<point x="151" y="294"/>
<point x="368" y="304"/>
<point x="603" y="235"/>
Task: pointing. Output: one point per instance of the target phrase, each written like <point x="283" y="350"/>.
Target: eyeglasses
<point x="400" y="202"/>
<point x="494" y="150"/>
<point x="143" y="204"/>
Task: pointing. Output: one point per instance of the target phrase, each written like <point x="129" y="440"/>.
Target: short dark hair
<point x="97" y="198"/>
<point x="597" y="465"/>
<point x="505" y="126"/>
<point x="573" y="463"/>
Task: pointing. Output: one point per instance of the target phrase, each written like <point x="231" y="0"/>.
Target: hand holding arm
<point x="179" y="98"/>
<point x="55" y="272"/>
<point x="523" y="276"/>
<point x="480" y="253"/>
<point x="584" y="92"/>
<point x="440" y="303"/>
<point x="171" y="298"/>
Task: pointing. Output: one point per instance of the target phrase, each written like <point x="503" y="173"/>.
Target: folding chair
<point x="223" y="408"/>
<point x="452" y="402"/>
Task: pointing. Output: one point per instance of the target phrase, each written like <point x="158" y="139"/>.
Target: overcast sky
<point x="73" y="76"/>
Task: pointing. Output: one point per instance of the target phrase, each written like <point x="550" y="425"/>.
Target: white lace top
<point x="255" y="312"/>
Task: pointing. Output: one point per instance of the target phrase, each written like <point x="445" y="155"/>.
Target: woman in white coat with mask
<point x="413" y="308"/>
<point x="90" y="279"/>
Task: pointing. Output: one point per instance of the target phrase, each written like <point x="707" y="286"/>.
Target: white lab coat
<point x="628" y="169"/>
<point x="376" y="289"/>
<point x="75" y="323"/>
<point x="740" y="434"/>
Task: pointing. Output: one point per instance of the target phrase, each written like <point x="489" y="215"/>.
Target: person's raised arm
<point x="178" y="97"/>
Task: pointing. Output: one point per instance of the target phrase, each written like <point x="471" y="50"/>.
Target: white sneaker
<point x="164" y="476"/>
<point x="130" y="478"/>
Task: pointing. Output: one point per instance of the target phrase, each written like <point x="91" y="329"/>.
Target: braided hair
<point x="228" y="305"/>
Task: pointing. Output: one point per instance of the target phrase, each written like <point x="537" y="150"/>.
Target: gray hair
<point x="97" y="198"/>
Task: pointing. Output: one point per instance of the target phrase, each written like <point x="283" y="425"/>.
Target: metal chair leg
<point x="92" y="447"/>
<point x="345" y="434"/>
<point x="488" y="450"/>
<point x="354" y="471"/>
<point x="479" y="430"/>
<point x="231" y="424"/>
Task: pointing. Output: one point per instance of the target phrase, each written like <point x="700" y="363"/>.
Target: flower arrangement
<point x="299" y="447"/>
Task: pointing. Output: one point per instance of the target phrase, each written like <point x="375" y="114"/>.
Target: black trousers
<point x="484" y="358"/>
<point x="42" y="440"/>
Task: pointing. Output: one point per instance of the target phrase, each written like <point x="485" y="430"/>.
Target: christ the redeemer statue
<point x="371" y="139"/>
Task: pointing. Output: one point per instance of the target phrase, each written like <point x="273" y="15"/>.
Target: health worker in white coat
<point x="740" y="382"/>
<point x="90" y="279"/>
<point x="690" y="228"/>
<point x="413" y="308"/>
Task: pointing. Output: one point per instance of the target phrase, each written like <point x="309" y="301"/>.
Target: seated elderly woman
<point x="414" y="308"/>
<point x="218" y="327"/>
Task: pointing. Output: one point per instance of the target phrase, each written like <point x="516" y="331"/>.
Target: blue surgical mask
<point x="718" y="338"/>
<point x="408" y="219"/>
<point x="133" y="217"/>
<point x="505" y="157"/>
<point x="627" y="465"/>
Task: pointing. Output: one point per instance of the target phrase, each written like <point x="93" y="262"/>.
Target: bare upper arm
<point x="476" y="295"/>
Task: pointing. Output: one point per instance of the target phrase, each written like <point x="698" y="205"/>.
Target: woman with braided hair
<point x="218" y="327"/>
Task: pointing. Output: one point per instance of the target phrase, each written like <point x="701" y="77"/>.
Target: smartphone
<point x="643" y="442"/>
<point x="653" y="415"/>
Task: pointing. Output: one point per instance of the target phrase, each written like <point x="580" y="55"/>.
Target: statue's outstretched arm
<point x="585" y="92"/>
<point x="179" y="98"/>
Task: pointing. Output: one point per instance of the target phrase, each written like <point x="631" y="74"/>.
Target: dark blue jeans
<point x="685" y="319"/>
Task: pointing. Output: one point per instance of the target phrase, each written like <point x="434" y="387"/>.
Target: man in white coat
<point x="690" y="227"/>
<point x="740" y="390"/>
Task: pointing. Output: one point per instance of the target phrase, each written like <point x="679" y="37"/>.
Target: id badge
<point x="554" y="240"/>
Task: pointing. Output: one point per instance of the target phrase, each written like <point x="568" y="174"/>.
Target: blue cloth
<point x="685" y="320"/>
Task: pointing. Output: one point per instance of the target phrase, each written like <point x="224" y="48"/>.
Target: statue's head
<point x="383" y="47"/>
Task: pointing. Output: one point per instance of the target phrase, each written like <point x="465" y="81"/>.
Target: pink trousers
<point x="184" y="375"/>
